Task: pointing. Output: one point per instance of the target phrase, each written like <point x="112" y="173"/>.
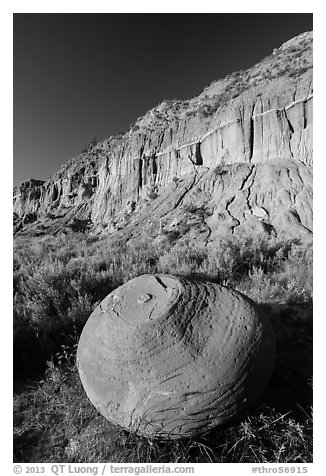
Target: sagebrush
<point x="59" y="281"/>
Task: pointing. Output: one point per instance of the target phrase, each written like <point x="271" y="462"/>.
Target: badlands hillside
<point x="235" y="159"/>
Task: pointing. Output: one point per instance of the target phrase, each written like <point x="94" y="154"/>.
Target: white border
<point x="66" y="6"/>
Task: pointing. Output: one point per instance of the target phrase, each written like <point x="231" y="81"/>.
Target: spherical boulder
<point x="169" y="358"/>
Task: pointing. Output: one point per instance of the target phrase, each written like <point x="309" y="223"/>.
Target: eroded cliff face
<point x="242" y="150"/>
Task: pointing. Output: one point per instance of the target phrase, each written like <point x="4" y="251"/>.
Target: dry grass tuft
<point x="58" y="282"/>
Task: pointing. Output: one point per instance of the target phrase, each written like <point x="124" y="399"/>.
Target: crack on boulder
<point x="160" y="282"/>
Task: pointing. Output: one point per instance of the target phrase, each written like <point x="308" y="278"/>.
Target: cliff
<point x="237" y="156"/>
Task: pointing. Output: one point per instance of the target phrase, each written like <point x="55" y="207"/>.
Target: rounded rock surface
<point x="169" y="358"/>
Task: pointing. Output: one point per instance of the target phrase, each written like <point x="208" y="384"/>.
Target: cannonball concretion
<point x="169" y="358"/>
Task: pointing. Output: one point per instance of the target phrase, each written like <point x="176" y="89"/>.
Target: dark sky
<point x="82" y="75"/>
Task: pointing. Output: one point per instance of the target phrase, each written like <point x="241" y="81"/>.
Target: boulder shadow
<point x="290" y="388"/>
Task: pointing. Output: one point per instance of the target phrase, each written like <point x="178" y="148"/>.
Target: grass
<point x="58" y="282"/>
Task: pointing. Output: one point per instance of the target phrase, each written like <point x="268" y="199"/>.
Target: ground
<point x="57" y="284"/>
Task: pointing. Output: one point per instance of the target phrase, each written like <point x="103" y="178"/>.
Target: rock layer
<point x="170" y="358"/>
<point x="251" y="117"/>
<point x="273" y="198"/>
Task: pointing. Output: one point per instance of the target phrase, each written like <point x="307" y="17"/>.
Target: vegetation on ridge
<point x="292" y="61"/>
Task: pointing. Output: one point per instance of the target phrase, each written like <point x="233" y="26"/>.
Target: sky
<point x="77" y="76"/>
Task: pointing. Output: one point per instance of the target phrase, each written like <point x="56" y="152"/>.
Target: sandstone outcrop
<point x="255" y="118"/>
<point x="273" y="198"/>
<point x="169" y="358"/>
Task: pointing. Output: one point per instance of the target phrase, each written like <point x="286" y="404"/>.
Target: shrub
<point x="57" y="284"/>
